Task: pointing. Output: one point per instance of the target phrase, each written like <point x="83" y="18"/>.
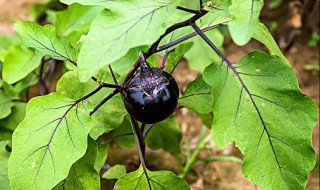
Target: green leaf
<point x="177" y="55"/>
<point x="5" y="135"/>
<point x="102" y="155"/>
<point x="118" y="4"/>
<point x="82" y="174"/>
<point x="5" y="105"/>
<point x="36" y="11"/>
<point x="206" y="119"/>
<point x="218" y="7"/>
<point x="51" y="138"/>
<point x="45" y="40"/>
<point x="18" y="63"/>
<point x="108" y="117"/>
<point x="75" y="18"/>
<point x="245" y="19"/>
<point x="115" y="172"/>
<point x="16" y="90"/>
<point x="6" y="42"/>
<point x="114" y="32"/>
<point x="16" y="116"/>
<point x="160" y="180"/>
<point x="267" y="116"/>
<point x="198" y="57"/>
<point x="190" y="4"/>
<point x="4" y="153"/>
<point x="4" y="156"/>
<point x="126" y="141"/>
<point x="164" y="132"/>
<point x="70" y="86"/>
<point x="274" y="4"/>
<point x="198" y="96"/>
<point x="51" y="16"/>
<point x="263" y="35"/>
<point x="123" y="65"/>
<point x="75" y="22"/>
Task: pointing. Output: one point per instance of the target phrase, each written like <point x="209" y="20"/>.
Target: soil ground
<point x="292" y="36"/>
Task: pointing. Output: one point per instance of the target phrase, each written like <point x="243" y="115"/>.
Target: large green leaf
<point x="164" y="132"/>
<point x="258" y="104"/>
<point x="45" y="40"/>
<point x="82" y="174"/>
<point x="159" y="180"/>
<point x="114" y="32"/>
<point x="51" y="138"/>
<point x="197" y="96"/>
<point x="119" y="4"/>
<point x="5" y="105"/>
<point x="245" y="19"/>
<point x="18" y="63"/>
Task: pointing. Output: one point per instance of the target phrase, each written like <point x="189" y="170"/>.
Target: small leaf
<point x="45" y="40"/>
<point x="21" y="86"/>
<point x="16" y="116"/>
<point x="6" y="42"/>
<point x="102" y="155"/>
<point x="245" y="19"/>
<point x="5" y="105"/>
<point x="177" y="55"/>
<point x="18" y="63"/>
<point x="263" y="35"/>
<point x="37" y="10"/>
<point x="160" y="180"/>
<point x="123" y="65"/>
<point x="4" y="155"/>
<point x="5" y="135"/>
<point x="164" y="132"/>
<point x="198" y="57"/>
<point x="267" y="116"/>
<point x="115" y="172"/>
<point x="82" y="174"/>
<point x="198" y="96"/>
<point x="51" y="138"/>
<point x="126" y="141"/>
<point x="217" y="5"/>
<point x="75" y="21"/>
<point x="75" y="18"/>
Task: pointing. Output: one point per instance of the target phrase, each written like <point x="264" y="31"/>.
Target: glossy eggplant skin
<point x="151" y="97"/>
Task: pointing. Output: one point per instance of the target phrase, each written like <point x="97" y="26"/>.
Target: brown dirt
<point x="219" y="175"/>
<point x="13" y="10"/>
